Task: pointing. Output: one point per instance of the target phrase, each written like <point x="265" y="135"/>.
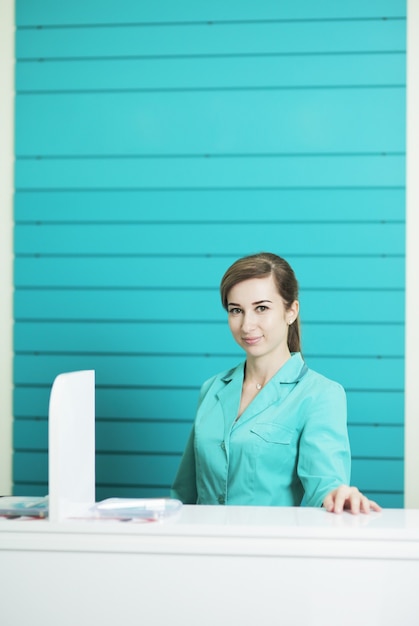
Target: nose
<point x="248" y="322"/>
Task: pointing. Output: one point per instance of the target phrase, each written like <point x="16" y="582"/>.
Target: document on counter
<point x="136" y="509"/>
<point x="13" y="507"/>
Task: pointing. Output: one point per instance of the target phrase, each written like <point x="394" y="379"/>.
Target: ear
<point x="293" y="311"/>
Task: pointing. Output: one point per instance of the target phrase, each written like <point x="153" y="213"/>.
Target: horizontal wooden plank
<point x="46" y="13"/>
<point x="170" y="438"/>
<point x="364" y="407"/>
<point x="30" y="489"/>
<point x="213" y="72"/>
<point x="196" y="338"/>
<point x="386" y="442"/>
<point x="191" y="239"/>
<point x="178" y="272"/>
<point x="353" y="339"/>
<point x="195" y="306"/>
<point x="349" y="305"/>
<point x="297" y="205"/>
<point x="203" y="123"/>
<point x="136" y="469"/>
<point x="149" y="469"/>
<point x="126" y="404"/>
<point x="378" y="474"/>
<point x="375" y="407"/>
<point x="392" y="500"/>
<point x="191" y="370"/>
<point x="228" y="172"/>
<point x="115" y="491"/>
<point x="163" y="371"/>
<point x="30" y="467"/>
<point x="361" y="373"/>
<point x="30" y="435"/>
<point x="122" y="437"/>
<point x="158" y="470"/>
<point x="102" y="492"/>
<point x="111" y="437"/>
<point x="234" y="38"/>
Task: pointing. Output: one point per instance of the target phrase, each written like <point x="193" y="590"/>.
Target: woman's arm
<point x="324" y="455"/>
<point x="184" y="485"/>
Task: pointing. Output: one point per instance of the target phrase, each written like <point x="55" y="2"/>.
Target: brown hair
<point x="261" y="265"/>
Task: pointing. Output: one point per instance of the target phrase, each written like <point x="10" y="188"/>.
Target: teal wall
<point x="156" y="143"/>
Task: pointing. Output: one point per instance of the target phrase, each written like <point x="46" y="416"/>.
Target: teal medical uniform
<point x="290" y="443"/>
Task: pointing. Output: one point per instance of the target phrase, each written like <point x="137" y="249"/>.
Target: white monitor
<point x="71" y="471"/>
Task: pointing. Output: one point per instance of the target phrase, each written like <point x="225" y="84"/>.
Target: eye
<point x="234" y="311"/>
<point x="261" y="308"/>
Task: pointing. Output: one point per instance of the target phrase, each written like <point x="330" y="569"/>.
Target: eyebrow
<point x="253" y="303"/>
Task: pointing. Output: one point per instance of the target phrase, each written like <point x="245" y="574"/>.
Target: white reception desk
<point x="213" y="566"/>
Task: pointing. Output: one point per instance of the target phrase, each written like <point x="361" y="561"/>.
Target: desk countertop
<point x="393" y="533"/>
<point x="215" y="565"/>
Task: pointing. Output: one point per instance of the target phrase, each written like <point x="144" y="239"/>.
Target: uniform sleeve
<point x="324" y="460"/>
<point x="184" y="485"/>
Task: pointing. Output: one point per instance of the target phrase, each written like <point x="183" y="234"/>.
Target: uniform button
<point x="223" y="445"/>
<point x="221" y="500"/>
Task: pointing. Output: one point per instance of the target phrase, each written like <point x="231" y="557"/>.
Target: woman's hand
<point x="350" y="499"/>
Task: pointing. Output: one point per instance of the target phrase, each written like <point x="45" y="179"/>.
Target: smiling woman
<point x="259" y="322"/>
<point x="270" y="431"/>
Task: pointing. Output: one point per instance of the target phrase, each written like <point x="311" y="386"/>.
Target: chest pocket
<point x="273" y="433"/>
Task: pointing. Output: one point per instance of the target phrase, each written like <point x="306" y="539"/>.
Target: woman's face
<point x="258" y="319"/>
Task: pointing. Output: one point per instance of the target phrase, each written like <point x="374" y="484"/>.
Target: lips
<point x="251" y="341"/>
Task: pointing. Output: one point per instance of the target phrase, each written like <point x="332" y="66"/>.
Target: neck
<point x="258" y="371"/>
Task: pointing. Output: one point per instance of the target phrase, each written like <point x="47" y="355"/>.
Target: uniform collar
<point x="276" y="389"/>
<point x="291" y="372"/>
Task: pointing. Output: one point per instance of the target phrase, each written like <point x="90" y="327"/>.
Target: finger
<point x="353" y="503"/>
<point x="374" y="506"/>
<point x="343" y="499"/>
<point x="365" y="505"/>
<point x="328" y="503"/>
<point x="370" y="505"/>
<point x="356" y="504"/>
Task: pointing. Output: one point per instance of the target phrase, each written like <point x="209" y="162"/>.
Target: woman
<point x="269" y="432"/>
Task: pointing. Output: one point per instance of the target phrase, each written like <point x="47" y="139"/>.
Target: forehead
<point x="253" y="290"/>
